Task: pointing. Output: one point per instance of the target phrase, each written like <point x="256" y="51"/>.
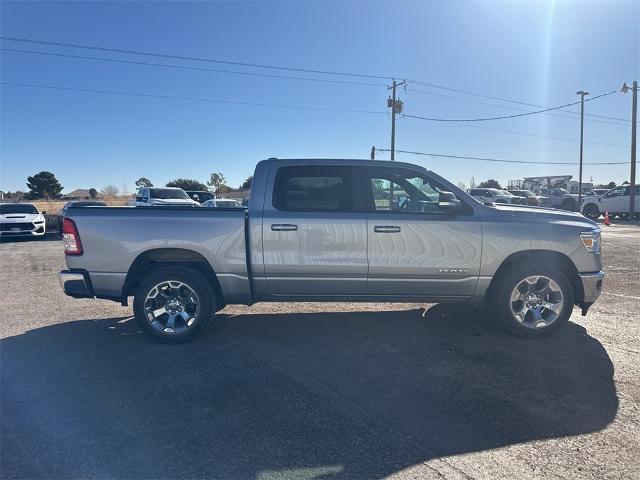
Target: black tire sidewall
<point x="592" y="211"/>
<point x="195" y="280"/>
<point x="502" y="296"/>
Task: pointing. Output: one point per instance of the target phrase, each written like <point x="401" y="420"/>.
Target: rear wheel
<point x="533" y="301"/>
<point x="174" y="304"/>
<point x="591" y="211"/>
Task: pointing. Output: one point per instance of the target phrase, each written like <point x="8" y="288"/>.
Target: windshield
<point x="169" y="193"/>
<point x="563" y="191"/>
<point x="22" y="208"/>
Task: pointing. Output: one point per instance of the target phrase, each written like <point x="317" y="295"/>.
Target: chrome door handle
<point x="386" y="229"/>
<point x="284" y="227"/>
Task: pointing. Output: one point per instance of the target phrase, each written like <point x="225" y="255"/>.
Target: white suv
<point x="616" y="201"/>
<point x="21" y="220"/>
<point x="164" y="196"/>
<point x="489" y="195"/>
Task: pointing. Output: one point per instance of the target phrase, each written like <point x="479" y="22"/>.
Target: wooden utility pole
<point x="396" y="107"/>
<point x="634" y="128"/>
<point x="582" y="93"/>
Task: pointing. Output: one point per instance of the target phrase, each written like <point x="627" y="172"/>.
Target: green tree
<point x="216" y="180"/>
<point x="93" y="193"/>
<point x="44" y="185"/>
<point x="187" y="184"/>
<point x="247" y="183"/>
<point x="143" y="182"/>
<point x="491" y="183"/>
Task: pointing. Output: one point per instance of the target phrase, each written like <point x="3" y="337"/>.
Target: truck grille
<point x="8" y="227"/>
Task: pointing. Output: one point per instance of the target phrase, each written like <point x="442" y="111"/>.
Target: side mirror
<point x="447" y="202"/>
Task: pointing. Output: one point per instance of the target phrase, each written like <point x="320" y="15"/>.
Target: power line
<point x="195" y="99"/>
<point x="616" y="119"/>
<point x="485" y="159"/>
<point x="196" y="59"/>
<point x="184" y="67"/>
<point x="485" y="119"/>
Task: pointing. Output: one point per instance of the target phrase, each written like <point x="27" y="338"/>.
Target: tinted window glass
<point x="168" y="193"/>
<point x="22" y="208"/>
<point x="323" y="189"/>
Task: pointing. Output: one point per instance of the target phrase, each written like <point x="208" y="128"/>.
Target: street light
<point x="582" y="93"/>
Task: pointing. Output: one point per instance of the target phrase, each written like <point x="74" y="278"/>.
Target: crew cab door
<point x="314" y="242"/>
<point x="417" y="247"/>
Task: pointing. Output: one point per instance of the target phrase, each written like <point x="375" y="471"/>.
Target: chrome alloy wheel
<point x="171" y="306"/>
<point x="536" y="301"/>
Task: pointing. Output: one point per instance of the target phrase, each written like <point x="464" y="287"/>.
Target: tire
<point x="591" y="211"/>
<point x="546" y="320"/>
<point x="174" y="304"/>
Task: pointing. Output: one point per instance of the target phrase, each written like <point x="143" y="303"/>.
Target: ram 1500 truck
<point x="335" y="230"/>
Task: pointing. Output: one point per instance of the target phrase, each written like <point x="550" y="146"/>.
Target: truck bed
<point x="114" y="237"/>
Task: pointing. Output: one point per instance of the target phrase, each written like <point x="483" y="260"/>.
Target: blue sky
<point x="534" y="52"/>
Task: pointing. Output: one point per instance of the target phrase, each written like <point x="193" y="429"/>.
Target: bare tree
<point x="109" y="191"/>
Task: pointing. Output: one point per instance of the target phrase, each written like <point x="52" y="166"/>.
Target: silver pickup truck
<point x="335" y="230"/>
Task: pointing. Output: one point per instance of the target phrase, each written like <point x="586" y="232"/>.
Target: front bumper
<point x="76" y="284"/>
<point x="591" y="286"/>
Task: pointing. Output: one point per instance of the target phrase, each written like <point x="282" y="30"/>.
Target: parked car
<point x="531" y="198"/>
<point x="222" y="203"/>
<point x="561" y="198"/>
<point x="616" y="201"/>
<point x="313" y="232"/>
<point x="200" y="196"/>
<point x="514" y="199"/>
<point x="599" y="191"/>
<point x="165" y="196"/>
<point x="80" y="203"/>
<point x="489" y="195"/>
<point x="21" y="220"/>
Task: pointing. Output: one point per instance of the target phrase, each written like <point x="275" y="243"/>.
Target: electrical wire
<point x="616" y="119"/>
<point x="196" y="59"/>
<point x="485" y="159"/>
<point x="195" y="99"/>
<point x="184" y="67"/>
<point x="486" y="119"/>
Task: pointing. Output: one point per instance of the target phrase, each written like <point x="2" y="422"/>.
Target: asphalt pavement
<point x="316" y="390"/>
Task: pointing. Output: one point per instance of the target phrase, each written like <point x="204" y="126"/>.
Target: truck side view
<point x="335" y="230"/>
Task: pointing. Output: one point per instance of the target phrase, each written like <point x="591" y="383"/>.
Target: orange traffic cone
<point x="607" y="222"/>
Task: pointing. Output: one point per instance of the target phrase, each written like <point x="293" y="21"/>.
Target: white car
<point x="222" y="203"/>
<point x="490" y="195"/>
<point x="616" y="201"/>
<point x="164" y="196"/>
<point x="21" y="220"/>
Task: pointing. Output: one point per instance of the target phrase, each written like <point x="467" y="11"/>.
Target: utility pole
<point x="396" y="107"/>
<point x="582" y="93"/>
<point x="634" y="125"/>
<point x="373" y="153"/>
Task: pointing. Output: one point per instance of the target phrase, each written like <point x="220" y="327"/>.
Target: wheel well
<point x="162" y="257"/>
<point x="535" y="257"/>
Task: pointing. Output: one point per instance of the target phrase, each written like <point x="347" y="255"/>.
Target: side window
<point x="314" y="189"/>
<point x="405" y="191"/>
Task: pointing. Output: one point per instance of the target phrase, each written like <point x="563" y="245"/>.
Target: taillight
<point x="72" y="245"/>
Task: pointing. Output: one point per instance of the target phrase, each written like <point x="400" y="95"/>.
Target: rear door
<point x="314" y="242"/>
<point x="415" y="248"/>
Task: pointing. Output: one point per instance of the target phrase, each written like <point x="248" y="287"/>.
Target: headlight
<point x="591" y="241"/>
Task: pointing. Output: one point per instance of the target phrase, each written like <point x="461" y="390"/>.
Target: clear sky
<point x="534" y="52"/>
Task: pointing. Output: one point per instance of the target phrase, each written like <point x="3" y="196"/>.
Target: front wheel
<point x="533" y="301"/>
<point x="174" y="304"/>
<point x="591" y="211"/>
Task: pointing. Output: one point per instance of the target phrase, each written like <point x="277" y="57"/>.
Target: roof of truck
<point x="346" y="161"/>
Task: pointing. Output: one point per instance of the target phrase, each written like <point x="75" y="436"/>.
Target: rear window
<point x="168" y="193"/>
<point x="314" y="189"/>
<point x="22" y="208"/>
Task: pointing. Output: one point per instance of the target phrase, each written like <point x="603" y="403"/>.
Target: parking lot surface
<point x="316" y="390"/>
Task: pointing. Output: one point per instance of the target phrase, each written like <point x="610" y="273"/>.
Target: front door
<point x="417" y="247"/>
<point x="314" y="243"/>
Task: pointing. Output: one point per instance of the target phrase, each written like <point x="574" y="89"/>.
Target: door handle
<point x="386" y="229"/>
<point x="284" y="227"/>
